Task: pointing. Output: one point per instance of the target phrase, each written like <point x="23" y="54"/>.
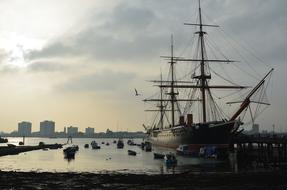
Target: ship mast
<point x="161" y="104"/>
<point x="172" y="93"/>
<point x="203" y="77"/>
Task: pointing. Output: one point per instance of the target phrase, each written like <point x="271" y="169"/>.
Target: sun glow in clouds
<point x="17" y="48"/>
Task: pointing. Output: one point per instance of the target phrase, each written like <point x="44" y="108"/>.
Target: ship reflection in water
<point x="107" y="159"/>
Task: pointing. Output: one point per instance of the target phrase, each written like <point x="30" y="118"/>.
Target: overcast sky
<point x="77" y="62"/>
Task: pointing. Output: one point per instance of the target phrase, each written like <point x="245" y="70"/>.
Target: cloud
<point x="127" y="32"/>
<point x="56" y="49"/>
<point x="259" y="24"/>
<point x="46" y="66"/>
<point x="103" y="81"/>
<point x="4" y="56"/>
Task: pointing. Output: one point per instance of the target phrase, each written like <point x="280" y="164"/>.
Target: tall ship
<point x="187" y="111"/>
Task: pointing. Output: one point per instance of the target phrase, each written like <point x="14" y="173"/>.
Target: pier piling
<point x="268" y="151"/>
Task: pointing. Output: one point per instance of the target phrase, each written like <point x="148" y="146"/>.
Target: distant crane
<point x="137" y="94"/>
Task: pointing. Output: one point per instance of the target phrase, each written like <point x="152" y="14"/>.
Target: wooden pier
<point x="12" y="150"/>
<point x="260" y="151"/>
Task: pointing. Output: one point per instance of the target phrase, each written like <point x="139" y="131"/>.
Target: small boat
<point x="158" y="156"/>
<point x="76" y="147"/>
<point x="3" y="140"/>
<point x="11" y="145"/>
<point x="211" y="151"/>
<point x="71" y="148"/>
<point x="186" y="150"/>
<point x="70" y="152"/>
<point x="142" y="145"/>
<point x="86" y="146"/>
<point x="120" y="143"/>
<point x="132" y="153"/>
<point x="131" y="142"/>
<point x="147" y="147"/>
<point x="95" y="145"/>
<point x="170" y="159"/>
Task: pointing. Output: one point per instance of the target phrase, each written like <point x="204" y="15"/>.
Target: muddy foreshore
<point x="203" y="181"/>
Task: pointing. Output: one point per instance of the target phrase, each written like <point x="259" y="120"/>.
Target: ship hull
<point x="196" y="135"/>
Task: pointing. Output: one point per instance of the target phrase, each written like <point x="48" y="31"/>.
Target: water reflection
<point x="69" y="159"/>
<point x="106" y="159"/>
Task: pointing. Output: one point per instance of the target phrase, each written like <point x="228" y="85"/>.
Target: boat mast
<point x="202" y="64"/>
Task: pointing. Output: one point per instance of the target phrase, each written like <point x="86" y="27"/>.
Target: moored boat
<point x="95" y="145"/>
<point x="170" y="159"/>
<point x="132" y="153"/>
<point x="70" y="152"/>
<point x="131" y="142"/>
<point x="3" y="140"/>
<point x="187" y="150"/>
<point x="158" y="155"/>
<point x="147" y="146"/>
<point x="11" y="145"/>
<point x="120" y="143"/>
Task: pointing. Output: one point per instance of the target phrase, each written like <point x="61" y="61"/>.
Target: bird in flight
<point x="137" y="94"/>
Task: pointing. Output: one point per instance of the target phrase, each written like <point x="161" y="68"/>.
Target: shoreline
<point x="65" y="180"/>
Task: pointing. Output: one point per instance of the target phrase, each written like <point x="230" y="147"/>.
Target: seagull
<point x="137" y="94"/>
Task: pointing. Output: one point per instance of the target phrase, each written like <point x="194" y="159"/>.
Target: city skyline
<point x="38" y="127"/>
<point x="79" y="64"/>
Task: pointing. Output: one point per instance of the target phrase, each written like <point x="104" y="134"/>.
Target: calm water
<point x="105" y="160"/>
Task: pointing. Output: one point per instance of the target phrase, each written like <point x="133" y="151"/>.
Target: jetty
<point x="12" y="150"/>
<point x="260" y="151"/>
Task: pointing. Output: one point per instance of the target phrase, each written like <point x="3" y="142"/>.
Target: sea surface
<point x="108" y="159"/>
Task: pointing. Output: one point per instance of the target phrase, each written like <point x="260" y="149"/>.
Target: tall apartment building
<point x="89" y="132"/>
<point x="47" y="128"/>
<point x="72" y="130"/>
<point x="24" y="128"/>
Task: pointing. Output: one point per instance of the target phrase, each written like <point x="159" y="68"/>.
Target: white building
<point x="24" y="128"/>
<point x="89" y="132"/>
<point x="47" y="128"/>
